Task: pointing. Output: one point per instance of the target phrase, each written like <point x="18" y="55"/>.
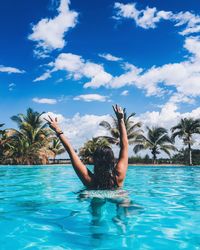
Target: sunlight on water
<point x="47" y="208"/>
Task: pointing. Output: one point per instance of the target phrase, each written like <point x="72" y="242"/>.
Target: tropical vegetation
<point x="33" y="142"/>
<point x="156" y="140"/>
<point x="86" y="152"/>
<point x="133" y="129"/>
<point x="181" y="157"/>
<point x="56" y="148"/>
<point x="3" y="141"/>
<point x="185" y="129"/>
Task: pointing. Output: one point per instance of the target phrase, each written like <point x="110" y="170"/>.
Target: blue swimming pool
<point x="45" y="208"/>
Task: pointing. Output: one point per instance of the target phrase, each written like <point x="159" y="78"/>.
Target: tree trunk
<point x="190" y="154"/>
<point x="154" y="158"/>
<point x="54" y="159"/>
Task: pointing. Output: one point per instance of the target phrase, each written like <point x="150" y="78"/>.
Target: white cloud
<point x="110" y="57"/>
<point x="41" y="52"/>
<point x="78" y="68"/>
<point x="44" y="100"/>
<point x="91" y="98"/>
<point x="168" y="115"/>
<point x="183" y="76"/>
<point x="43" y="77"/>
<point x="97" y="74"/>
<point x="128" y="78"/>
<point x="60" y="117"/>
<point x="125" y="93"/>
<point x="80" y="129"/>
<point x="10" y="70"/>
<point x="146" y="18"/>
<point x="11" y="86"/>
<point x="69" y="62"/>
<point x="49" y="33"/>
<point x="190" y="20"/>
<point x="149" y="17"/>
<point x="192" y="44"/>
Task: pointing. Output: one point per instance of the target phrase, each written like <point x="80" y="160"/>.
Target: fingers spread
<point x="46" y="120"/>
<point x="50" y="118"/>
<point x="117" y="108"/>
<point x="114" y="108"/>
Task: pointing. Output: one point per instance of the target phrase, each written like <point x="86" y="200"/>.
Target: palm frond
<point x="106" y="125"/>
<point x="137" y="148"/>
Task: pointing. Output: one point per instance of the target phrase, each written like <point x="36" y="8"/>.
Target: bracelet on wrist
<point x="59" y="133"/>
<point x="121" y="119"/>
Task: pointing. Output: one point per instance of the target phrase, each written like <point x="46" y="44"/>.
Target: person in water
<point x="107" y="174"/>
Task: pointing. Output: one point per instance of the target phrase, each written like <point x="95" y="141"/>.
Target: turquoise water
<point x="44" y="208"/>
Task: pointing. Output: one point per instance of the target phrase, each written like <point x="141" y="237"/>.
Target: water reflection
<point x="112" y="215"/>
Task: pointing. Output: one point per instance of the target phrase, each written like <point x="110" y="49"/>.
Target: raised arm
<point x="81" y="170"/>
<point x="122" y="164"/>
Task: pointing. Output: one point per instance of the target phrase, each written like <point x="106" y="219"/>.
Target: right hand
<point x="118" y="112"/>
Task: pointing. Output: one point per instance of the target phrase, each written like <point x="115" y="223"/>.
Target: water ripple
<point x="45" y="208"/>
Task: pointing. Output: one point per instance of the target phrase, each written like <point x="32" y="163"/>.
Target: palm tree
<point x="156" y="140"/>
<point x="4" y="140"/>
<point x="31" y="140"/>
<point x="133" y="129"/>
<point x="185" y="130"/>
<point x="88" y="149"/>
<point x="31" y="125"/>
<point x="56" y="147"/>
<point x="20" y="151"/>
<point x="2" y="132"/>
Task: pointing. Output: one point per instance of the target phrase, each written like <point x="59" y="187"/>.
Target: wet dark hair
<point x="104" y="168"/>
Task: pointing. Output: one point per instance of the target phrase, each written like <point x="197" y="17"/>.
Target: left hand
<point x="53" y="124"/>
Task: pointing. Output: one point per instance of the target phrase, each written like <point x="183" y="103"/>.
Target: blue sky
<point x="76" y="59"/>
